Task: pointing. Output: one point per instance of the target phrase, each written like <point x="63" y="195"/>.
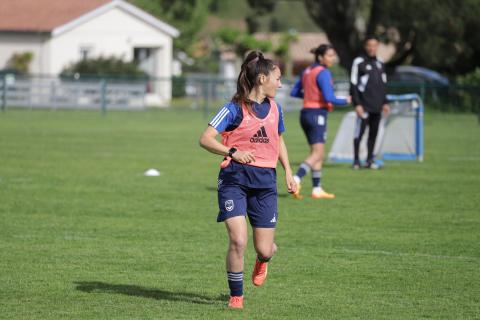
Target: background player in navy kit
<point x="368" y="82"/>
<point x="251" y="126"/>
<point x="316" y="88"/>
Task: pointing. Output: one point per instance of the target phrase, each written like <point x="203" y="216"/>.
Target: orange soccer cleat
<point x="296" y="194"/>
<point x="259" y="273"/>
<point x="321" y="194"/>
<point x="235" y="302"/>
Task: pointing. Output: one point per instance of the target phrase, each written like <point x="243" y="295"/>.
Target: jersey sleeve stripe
<point x="219" y="120"/>
<point x="354" y="73"/>
<point x="218" y="115"/>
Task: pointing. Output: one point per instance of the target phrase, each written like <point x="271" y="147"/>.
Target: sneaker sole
<point x="322" y="197"/>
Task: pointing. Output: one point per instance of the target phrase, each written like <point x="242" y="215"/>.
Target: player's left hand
<point x="386" y="109"/>
<point x="291" y="184"/>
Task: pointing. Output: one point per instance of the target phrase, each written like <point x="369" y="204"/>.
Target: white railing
<point x="55" y="92"/>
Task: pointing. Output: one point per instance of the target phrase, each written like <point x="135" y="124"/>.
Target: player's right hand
<point x="291" y="184"/>
<point x="359" y="110"/>
<point x="243" y="156"/>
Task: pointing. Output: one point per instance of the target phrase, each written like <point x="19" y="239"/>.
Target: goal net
<point x="400" y="135"/>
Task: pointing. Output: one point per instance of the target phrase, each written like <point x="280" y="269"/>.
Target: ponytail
<point x="252" y="67"/>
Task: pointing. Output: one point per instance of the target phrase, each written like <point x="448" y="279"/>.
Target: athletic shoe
<point x="235" y="302"/>
<point x="356" y="165"/>
<point x="372" y="165"/>
<point x="296" y="194"/>
<point x="259" y="273"/>
<point x="322" y="195"/>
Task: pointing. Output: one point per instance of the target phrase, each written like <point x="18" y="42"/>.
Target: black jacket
<point x="368" y="82"/>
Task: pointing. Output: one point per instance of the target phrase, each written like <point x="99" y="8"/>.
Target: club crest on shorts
<point x="229" y="205"/>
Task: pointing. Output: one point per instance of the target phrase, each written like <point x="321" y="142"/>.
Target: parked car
<point x="418" y="75"/>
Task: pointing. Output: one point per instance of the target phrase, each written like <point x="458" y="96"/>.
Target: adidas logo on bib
<point x="260" y="136"/>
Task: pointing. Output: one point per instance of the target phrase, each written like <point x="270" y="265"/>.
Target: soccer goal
<point x="400" y="135"/>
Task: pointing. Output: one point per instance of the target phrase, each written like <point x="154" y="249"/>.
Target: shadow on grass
<point x="139" y="291"/>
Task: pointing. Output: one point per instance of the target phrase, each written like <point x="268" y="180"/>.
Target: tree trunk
<point x="337" y="18"/>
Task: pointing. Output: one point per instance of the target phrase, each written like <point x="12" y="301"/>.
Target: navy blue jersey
<point x="228" y="118"/>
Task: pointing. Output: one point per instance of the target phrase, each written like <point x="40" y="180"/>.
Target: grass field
<point x="84" y="235"/>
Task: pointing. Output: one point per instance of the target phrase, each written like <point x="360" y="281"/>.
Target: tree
<point x="282" y="51"/>
<point x="436" y="34"/>
<point x="242" y="42"/>
<point x="337" y="18"/>
<point x="21" y="61"/>
<point x="259" y="8"/>
<point x="189" y="16"/>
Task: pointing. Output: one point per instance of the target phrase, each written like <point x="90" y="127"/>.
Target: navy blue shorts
<point x="259" y="204"/>
<point x="314" y="124"/>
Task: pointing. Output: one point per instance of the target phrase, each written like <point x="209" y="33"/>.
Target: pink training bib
<point x="312" y="95"/>
<point x="259" y="136"/>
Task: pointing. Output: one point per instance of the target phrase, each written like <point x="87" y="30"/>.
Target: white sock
<point x="317" y="190"/>
<point x="297" y="179"/>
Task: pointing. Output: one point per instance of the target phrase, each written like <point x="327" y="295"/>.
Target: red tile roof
<point x="42" y="15"/>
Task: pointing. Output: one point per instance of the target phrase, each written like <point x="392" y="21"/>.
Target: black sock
<point x="263" y="259"/>
<point x="316" y="176"/>
<point x="235" y="283"/>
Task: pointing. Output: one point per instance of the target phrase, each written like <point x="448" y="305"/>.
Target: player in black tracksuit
<point x="368" y="89"/>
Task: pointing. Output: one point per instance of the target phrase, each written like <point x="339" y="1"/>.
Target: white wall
<point x="117" y="33"/>
<point x="12" y="42"/>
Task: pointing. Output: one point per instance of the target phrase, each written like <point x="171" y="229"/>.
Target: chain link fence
<point x="205" y="93"/>
<point x="455" y="98"/>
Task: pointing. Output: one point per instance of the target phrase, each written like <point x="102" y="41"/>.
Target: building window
<point x="85" y="52"/>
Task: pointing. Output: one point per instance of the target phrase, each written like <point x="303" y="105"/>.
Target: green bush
<point x="20" y="62"/>
<point x="470" y="79"/>
<point x="178" y="87"/>
<point x="469" y="91"/>
<point x="104" y="66"/>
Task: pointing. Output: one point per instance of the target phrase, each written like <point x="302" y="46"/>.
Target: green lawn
<point x="84" y="235"/>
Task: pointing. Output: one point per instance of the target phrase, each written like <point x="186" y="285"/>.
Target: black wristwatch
<point x="231" y="152"/>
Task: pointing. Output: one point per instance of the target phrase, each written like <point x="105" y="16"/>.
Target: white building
<point x="61" y="32"/>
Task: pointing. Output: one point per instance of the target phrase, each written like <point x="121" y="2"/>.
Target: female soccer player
<point x="251" y="125"/>
<point x="316" y="88"/>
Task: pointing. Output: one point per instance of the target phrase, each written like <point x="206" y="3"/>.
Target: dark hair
<point x="252" y="67"/>
<point x="321" y="50"/>
<point x="370" y="37"/>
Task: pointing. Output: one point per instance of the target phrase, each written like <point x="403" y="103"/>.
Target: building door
<point x="146" y="60"/>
